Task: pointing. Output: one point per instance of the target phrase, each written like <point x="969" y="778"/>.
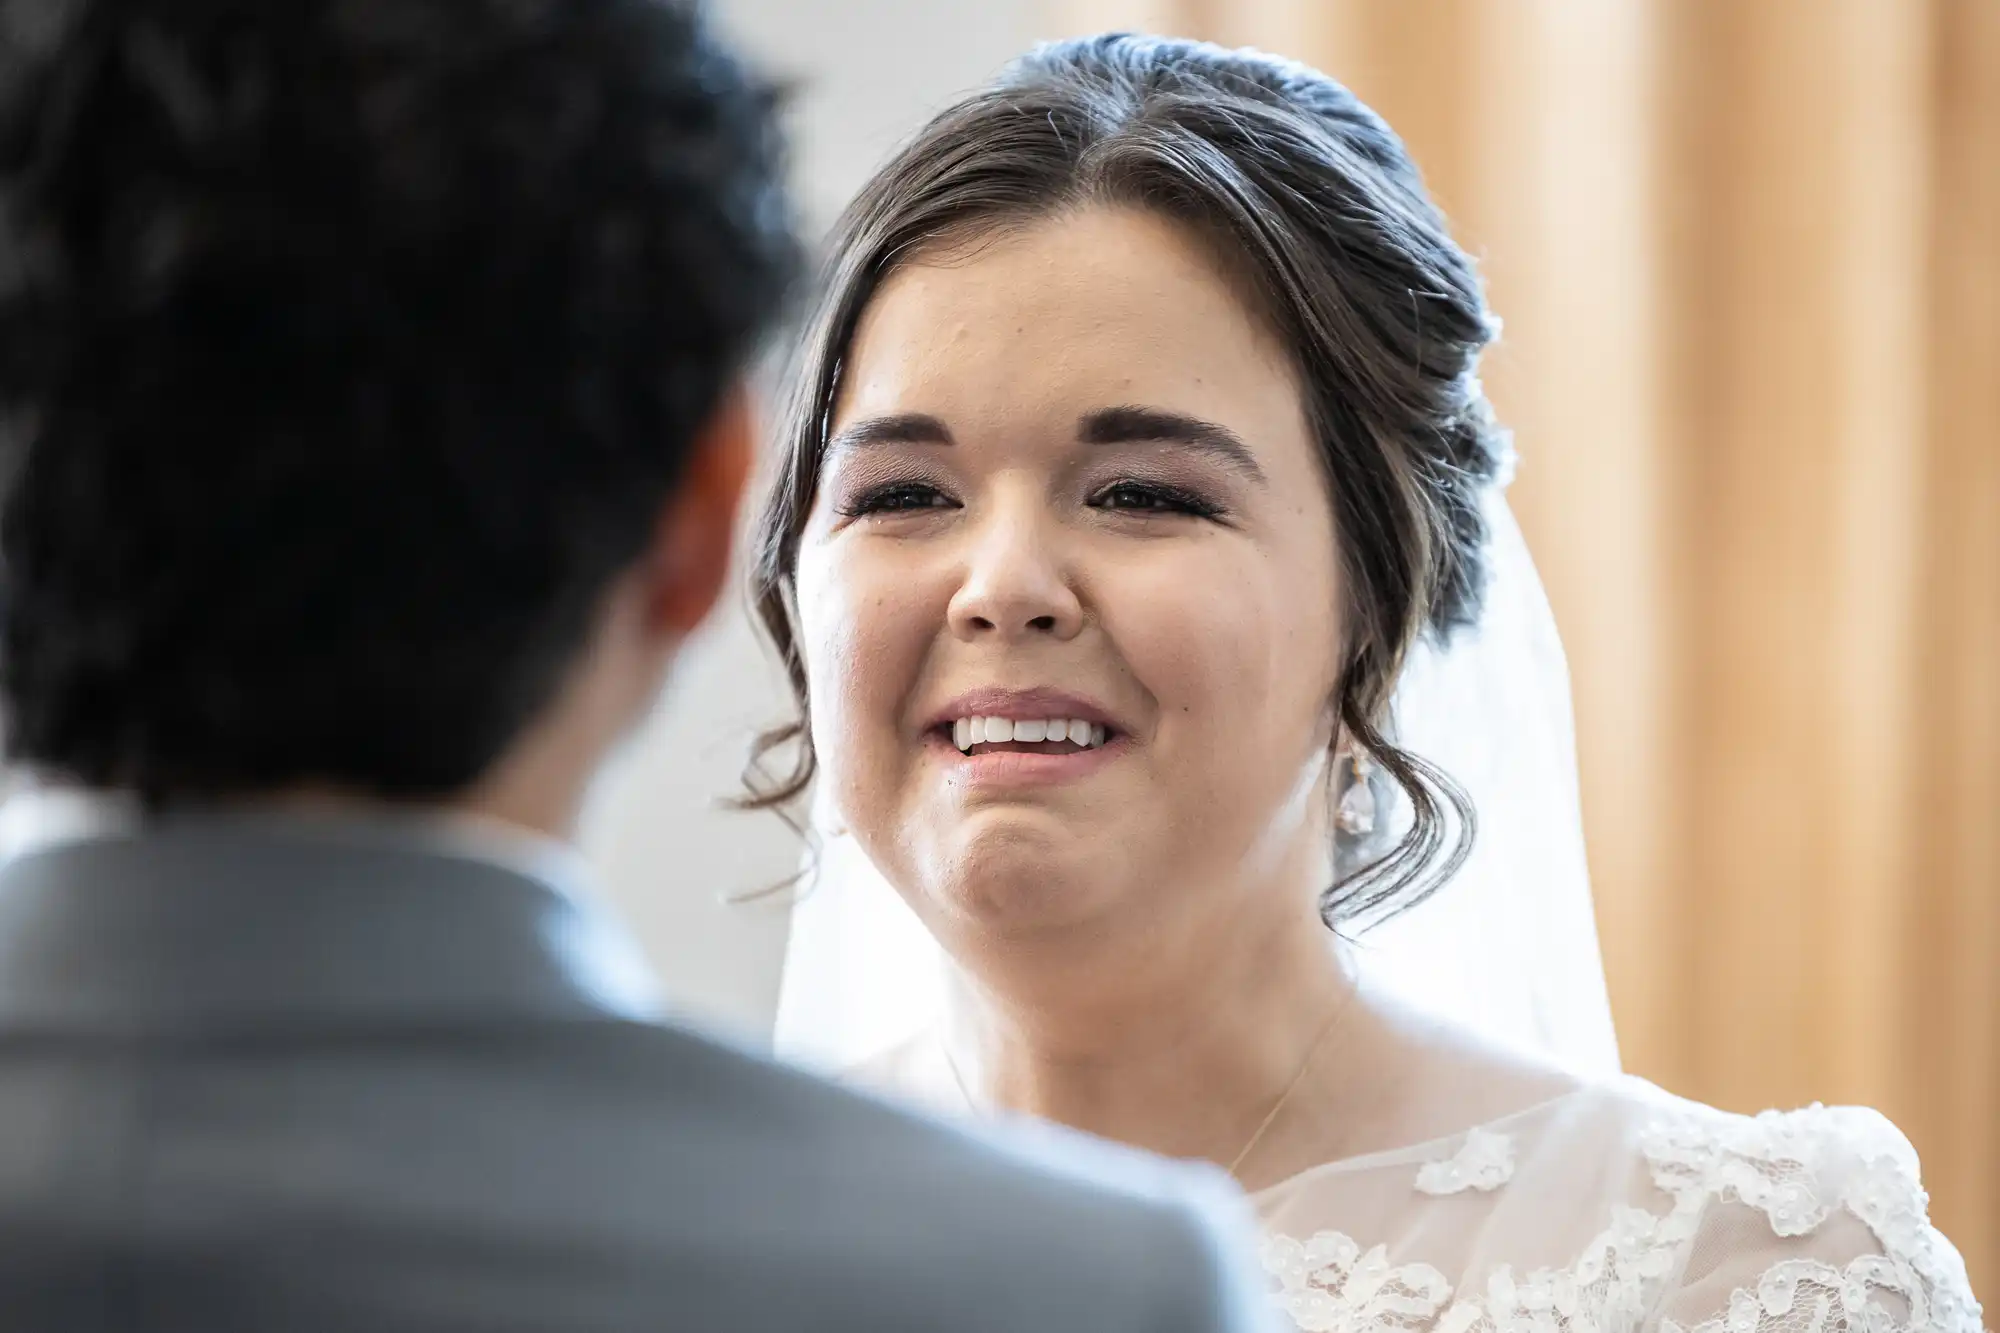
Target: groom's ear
<point x="696" y="536"/>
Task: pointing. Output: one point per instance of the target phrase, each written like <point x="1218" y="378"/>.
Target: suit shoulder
<point x="1121" y="1236"/>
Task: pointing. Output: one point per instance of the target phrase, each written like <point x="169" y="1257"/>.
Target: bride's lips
<point x="1023" y="768"/>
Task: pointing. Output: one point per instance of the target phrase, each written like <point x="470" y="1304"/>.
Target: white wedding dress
<point x="1614" y="1209"/>
<point x="1610" y="1209"/>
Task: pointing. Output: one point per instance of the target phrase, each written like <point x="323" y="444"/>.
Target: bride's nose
<point x="1014" y="584"/>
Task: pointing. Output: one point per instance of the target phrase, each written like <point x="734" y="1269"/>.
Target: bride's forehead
<point x="964" y="369"/>
<point x="1132" y="283"/>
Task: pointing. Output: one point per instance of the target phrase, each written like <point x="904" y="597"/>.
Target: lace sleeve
<point x="1810" y="1222"/>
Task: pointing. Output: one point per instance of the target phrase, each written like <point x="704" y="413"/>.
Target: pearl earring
<point x="1356" y="812"/>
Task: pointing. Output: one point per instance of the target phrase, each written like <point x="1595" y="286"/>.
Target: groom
<point x="373" y="427"/>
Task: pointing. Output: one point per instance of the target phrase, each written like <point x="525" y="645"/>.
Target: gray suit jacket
<point x="273" y="1078"/>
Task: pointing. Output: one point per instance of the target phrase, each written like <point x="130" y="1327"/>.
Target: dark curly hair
<point x="349" y="350"/>
<point x="1311" y="203"/>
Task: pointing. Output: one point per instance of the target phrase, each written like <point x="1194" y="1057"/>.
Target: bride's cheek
<point x="1192" y="638"/>
<point x="864" y="642"/>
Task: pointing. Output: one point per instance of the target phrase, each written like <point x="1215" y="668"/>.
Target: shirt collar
<point x="256" y="917"/>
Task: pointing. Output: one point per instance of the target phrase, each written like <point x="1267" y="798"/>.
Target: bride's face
<point x="1070" y="492"/>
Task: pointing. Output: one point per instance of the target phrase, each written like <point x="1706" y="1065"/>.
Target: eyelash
<point x="906" y="497"/>
<point x="1161" y="498"/>
<point x="894" y="498"/>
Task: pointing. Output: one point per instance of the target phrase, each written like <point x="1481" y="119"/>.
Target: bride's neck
<point x="1179" y="1042"/>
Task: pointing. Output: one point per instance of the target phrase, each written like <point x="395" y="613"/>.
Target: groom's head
<point x="370" y="373"/>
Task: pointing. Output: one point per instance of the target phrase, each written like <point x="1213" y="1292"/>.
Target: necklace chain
<point x="1257" y="1137"/>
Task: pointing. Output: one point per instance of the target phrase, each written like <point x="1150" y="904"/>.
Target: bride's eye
<point x="1151" y="497"/>
<point x="899" y="497"/>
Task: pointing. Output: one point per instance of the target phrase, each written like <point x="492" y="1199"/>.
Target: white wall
<point x="866" y="73"/>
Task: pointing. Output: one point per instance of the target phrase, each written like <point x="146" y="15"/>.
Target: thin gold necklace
<point x="1270" y="1117"/>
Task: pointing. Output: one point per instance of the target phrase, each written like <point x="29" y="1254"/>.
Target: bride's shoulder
<point x="1813" y="1142"/>
<point x="1819" y="1208"/>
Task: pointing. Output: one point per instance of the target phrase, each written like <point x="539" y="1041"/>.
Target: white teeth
<point x="967" y="732"/>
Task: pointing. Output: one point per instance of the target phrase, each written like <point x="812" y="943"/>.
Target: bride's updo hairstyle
<point x="1310" y="204"/>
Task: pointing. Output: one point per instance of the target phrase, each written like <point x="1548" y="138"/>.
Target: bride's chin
<point x="1013" y="879"/>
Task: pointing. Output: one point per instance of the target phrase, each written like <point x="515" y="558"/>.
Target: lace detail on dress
<point x="1775" y="1163"/>
<point x="1806" y="1296"/>
<point x="1484" y="1163"/>
<point x="1797" y="1169"/>
<point x="1329" y="1286"/>
<point x="1606" y="1291"/>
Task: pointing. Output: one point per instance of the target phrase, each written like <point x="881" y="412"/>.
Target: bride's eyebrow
<point x="1152" y="425"/>
<point x="901" y="428"/>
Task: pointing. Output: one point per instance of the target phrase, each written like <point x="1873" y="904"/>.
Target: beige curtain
<point x="1748" y="256"/>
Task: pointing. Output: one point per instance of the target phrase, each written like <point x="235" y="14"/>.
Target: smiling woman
<point x="1397" y="416"/>
<point x="1047" y="553"/>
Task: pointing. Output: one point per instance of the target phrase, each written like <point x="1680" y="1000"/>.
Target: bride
<point x="1139" y="550"/>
